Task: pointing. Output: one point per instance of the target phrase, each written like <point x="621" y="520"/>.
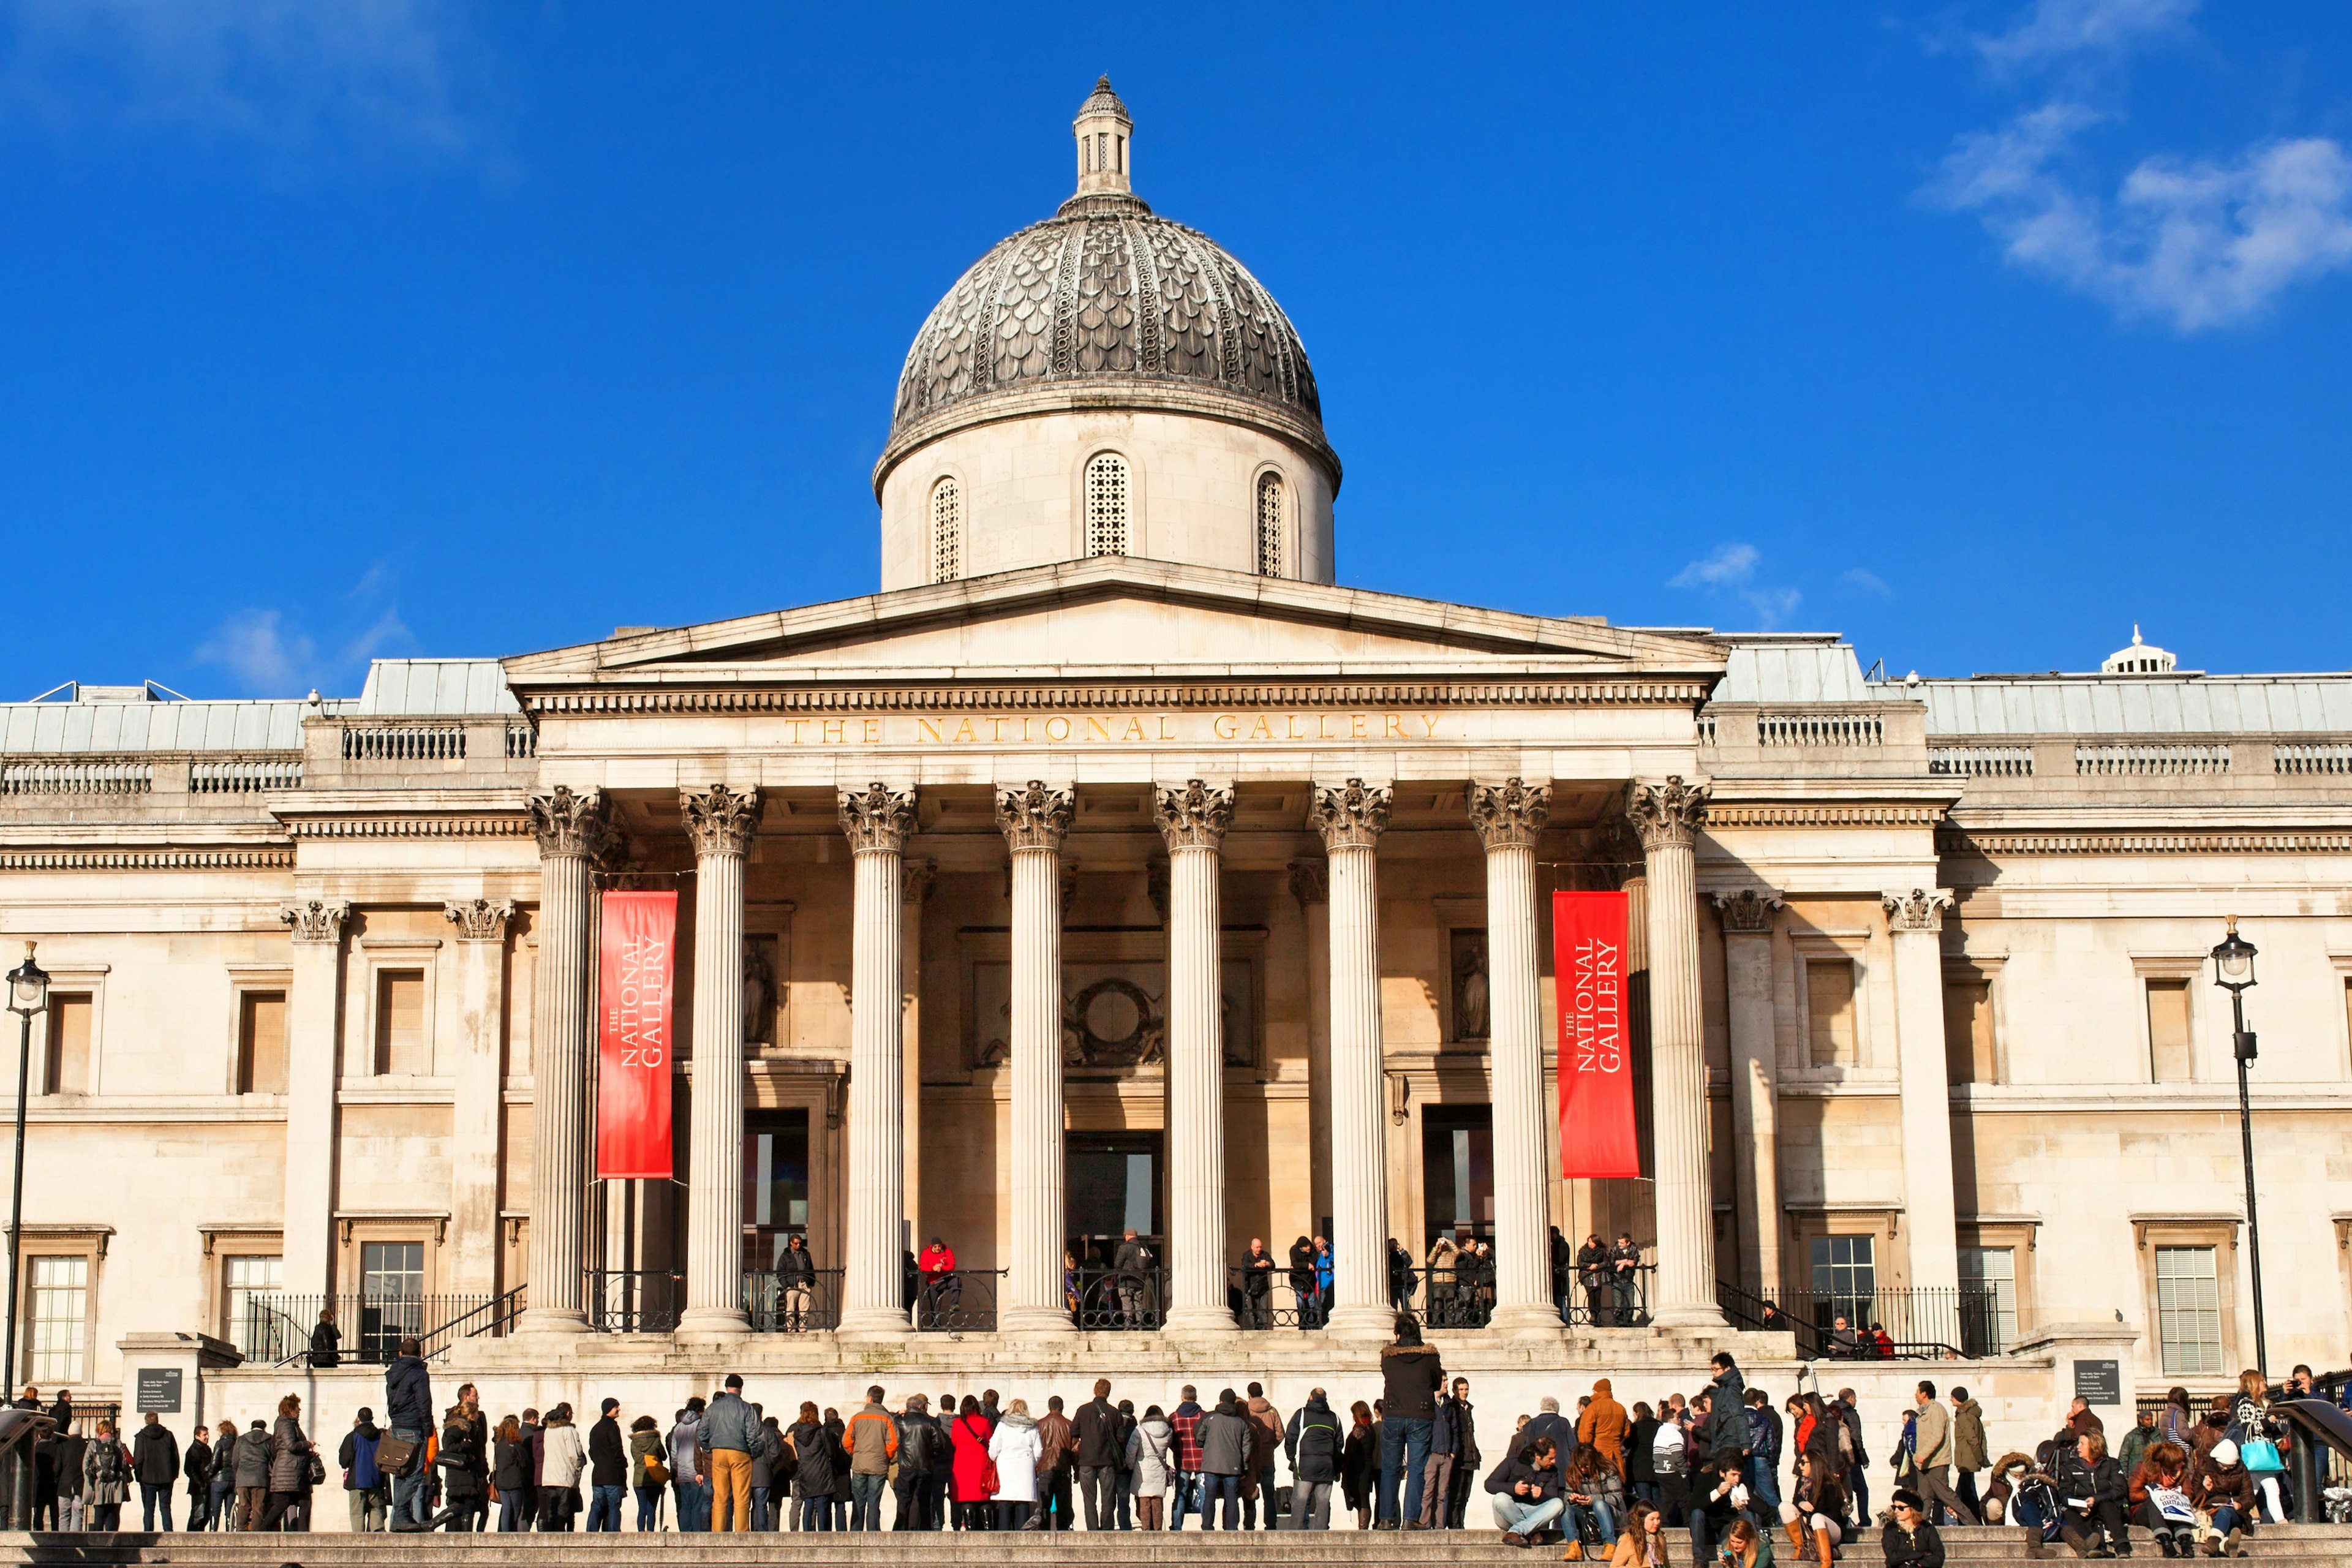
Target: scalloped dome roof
<point x="1104" y="293"/>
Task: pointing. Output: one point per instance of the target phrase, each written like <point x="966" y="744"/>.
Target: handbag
<point x="395" y="1456"/>
<point x="990" y="1482"/>
<point x="318" y="1469"/>
<point x="2260" y="1457"/>
<point x="656" y="1473"/>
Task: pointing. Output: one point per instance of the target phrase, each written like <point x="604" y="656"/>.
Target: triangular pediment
<point x="1122" y="618"/>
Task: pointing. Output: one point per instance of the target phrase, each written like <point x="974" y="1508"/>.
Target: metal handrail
<point x="1267" y="1299"/>
<point x="776" y="1309"/>
<point x="958" y="1300"/>
<point x="1120" y="1299"/>
<point x="276" y="1327"/>
<point x="1618" y="1298"/>
<point x="634" y="1300"/>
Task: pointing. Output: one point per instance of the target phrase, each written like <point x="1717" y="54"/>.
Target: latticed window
<point x="947" y="532"/>
<point x="2188" y="1311"/>
<point x="1269" y="525"/>
<point x="1107" y="505"/>
<point x="59" y="1301"/>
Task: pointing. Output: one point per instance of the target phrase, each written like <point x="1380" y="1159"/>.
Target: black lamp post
<point x="28" y="992"/>
<point x="2233" y="971"/>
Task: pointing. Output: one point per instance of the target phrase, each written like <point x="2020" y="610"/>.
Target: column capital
<point x="479" y="920"/>
<point x="915" y="874"/>
<point x="317" y="919"/>
<point x="1921" y="909"/>
<point x="1193" y="816"/>
<point x="567" y="821"/>
<point x="1510" y="814"/>
<point x="1311" y="881"/>
<point x="876" y="817"/>
<point x="1351" y="817"/>
<point x="1750" y="911"/>
<point x="1033" y="817"/>
<point x="1667" y="815"/>
<point x="721" y="820"/>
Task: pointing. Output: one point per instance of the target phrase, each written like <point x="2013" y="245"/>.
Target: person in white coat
<point x="1015" y="1447"/>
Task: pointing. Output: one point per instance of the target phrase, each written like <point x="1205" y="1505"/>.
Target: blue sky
<point x="1975" y="331"/>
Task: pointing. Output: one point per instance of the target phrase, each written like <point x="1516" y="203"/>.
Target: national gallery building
<point x="1113" y="868"/>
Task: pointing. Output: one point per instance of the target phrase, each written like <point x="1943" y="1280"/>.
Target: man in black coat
<point x="408" y="1409"/>
<point x="1526" y="1489"/>
<point x="155" y="1463"/>
<point x="608" y="1471"/>
<point x="1314" y="1441"/>
<point x="1101" y="1441"/>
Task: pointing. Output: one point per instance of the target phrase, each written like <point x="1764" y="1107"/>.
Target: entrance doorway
<point x="1113" y="1184"/>
<point x="1457" y="1173"/>
<point x="775" y="1185"/>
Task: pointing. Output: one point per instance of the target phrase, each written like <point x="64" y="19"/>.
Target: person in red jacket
<point x="969" y="1433"/>
<point x="942" y="1291"/>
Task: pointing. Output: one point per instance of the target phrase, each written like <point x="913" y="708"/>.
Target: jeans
<point x="515" y="1513"/>
<point x="409" y="1494"/>
<point x="1013" y="1515"/>
<point x="367" y="1506"/>
<point x="649" y="1501"/>
<point x="866" y="1502"/>
<point x="1216" y="1487"/>
<point x="107" y="1517"/>
<point x="1054" y="1497"/>
<point x="693" y="1504"/>
<point x="1598" y="1513"/>
<point x="1310" y="1505"/>
<point x="1857" y="1487"/>
<point x="604" y="1510"/>
<point x="2226" y="1520"/>
<point x="914" y="1495"/>
<point x="1188" y="1495"/>
<point x="148" y="1498"/>
<point x="1404" y="1452"/>
<point x="224" y="1511"/>
<point x="1764" y="1482"/>
<point x="814" y="1513"/>
<point x="1523" y="1519"/>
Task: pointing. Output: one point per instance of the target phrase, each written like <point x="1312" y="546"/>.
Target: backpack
<point x="1845" y="1445"/>
<point x="1666" y="1457"/>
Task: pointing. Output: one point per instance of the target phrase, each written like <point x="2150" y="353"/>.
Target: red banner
<point x="1596" y="1069"/>
<point x="634" y="970"/>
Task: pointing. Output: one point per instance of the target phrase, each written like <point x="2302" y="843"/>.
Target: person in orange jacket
<point x="1603" y="1424"/>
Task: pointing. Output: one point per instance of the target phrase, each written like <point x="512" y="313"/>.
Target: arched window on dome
<point x="1269" y="525"/>
<point x="1107" y="504"/>
<point x="947" y="530"/>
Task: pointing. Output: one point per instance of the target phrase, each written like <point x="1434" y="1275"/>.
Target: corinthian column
<point x="1747" y="920"/>
<point x="1667" y="818"/>
<point x="1508" y="818"/>
<point x="1351" y="818"/>
<point x="314" y="1065"/>
<point x="474" y="1123"/>
<point x="573" y="829"/>
<point x="1035" y="818"/>
<point x="1916" y="921"/>
<point x="720" y="821"/>
<point x="1193" y="821"/>
<point x="876" y="820"/>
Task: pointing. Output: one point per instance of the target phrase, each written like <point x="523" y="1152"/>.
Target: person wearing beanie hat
<point x="1909" y="1540"/>
<point x="2219" y="1485"/>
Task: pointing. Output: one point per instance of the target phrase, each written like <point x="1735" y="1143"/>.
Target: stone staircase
<point x="2292" y="1546"/>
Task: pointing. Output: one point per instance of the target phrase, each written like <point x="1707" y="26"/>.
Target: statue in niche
<point x="1469" y="986"/>
<point x="759" y="993"/>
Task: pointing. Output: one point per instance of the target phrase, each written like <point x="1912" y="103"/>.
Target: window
<point x="1107" y="504"/>
<point x="249" y="1320"/>
<point x="67" y="1068"/>
<point x="775" y="1184"/>
<point x="1987" y="1300"/>
<point x="400" y="1022"/>
<point x="60" y="1314"/>
<point x="947" y="530"/>
<point x="1457" y="1172"/>
<point x="2167" y="1031"/>
<point x="1845" y="1278"/>
<point x="391" y="1295"/>
<point x="1269" y="525"/>
<point x="1829" y="998"/>
<point x="1967" y="1030"/>
<point x="261" y="1043"/>
<point x="2188" y="1311"/>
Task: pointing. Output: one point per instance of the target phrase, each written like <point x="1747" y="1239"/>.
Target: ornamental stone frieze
<point x="479" y="920"/>
<point x="1667" y="814"/>
<point x="1921" y="909"/>
<point x="719" y="820"/>
<point x="567" y="821"/>
<point x="1353" y="816"/>
<point x="1033" y="817"/>
<point x="1194" y="816"/>
<point x="1510" y="815"/>
<point x="877" y="816"/>
<point x="317" y="919"/>
<point x="1311" y="881"/>
<point x="1750" y="911"/>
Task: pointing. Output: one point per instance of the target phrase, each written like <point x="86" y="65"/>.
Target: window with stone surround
<point x="2188" y="1311"/>
<point x="66" y="1065"/>
<point x="401" y="1045"/>
<point x="57" y="1311"/>
<point x="947" y="530"/>
<point x="246" y="1280"/>
<point x="1269" y="525"/>
<point x="2167" y="1032"/>
<point x="1987" y="1300"/>
<point x="261" y="1042"/>
<point x="1107" y="504"/>
<point x="1829" y="1013"/>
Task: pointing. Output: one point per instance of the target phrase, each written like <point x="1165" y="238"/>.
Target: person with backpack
<point x="105" y="1477"/>
<point x="1313" y="1443"/>
<point x="1099" y="1432"/>
<point x="363" y="1485"/>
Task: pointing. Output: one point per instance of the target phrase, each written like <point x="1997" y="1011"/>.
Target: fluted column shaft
<point x="1915" y="922"/>
<point x="720" y="821"/>
<point x="314" y="1067"/>
<point x="1508" y="818"/>
<point x="1747" y="918"/>
<point x="876" y="821"/>
<point x="1350" y="820"/>
<point x="1034" y="819"/>
<point x="481" y="926"/>
<point x="1668" y="817"/>
<point x="572" y="830"/>
<point x="1193" y="820"/>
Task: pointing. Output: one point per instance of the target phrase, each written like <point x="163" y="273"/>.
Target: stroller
<point x="2034" y="1508"/>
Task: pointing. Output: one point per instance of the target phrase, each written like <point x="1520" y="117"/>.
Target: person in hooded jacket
<point x="648" y="1465"/>
<point x="1313" y="1443"/>
<point x="1151" y="1464"/>
<point x="1098" y="1431"/>
<point x="922" y="1445"/>
<point x="105" y="1477"/>
<point x="1726" y="1425"/>
<point x="1969" y="1450"/>
<point x="363" y="1489"/>
<point x="687" y="1478"/>
<point x="250" y="1466"/>
<point x="1265" y="1442"/>
<point x="1603" y="1426"/>
<point x="408" y="1410"/>
<point x="1526" y="1489"/>
<point x="1226" y="1436"/>
<point x="1411" y="1375"/>
<point x="1016" y="1448"/>
<point x="814" y="1459"/>
<point x="767" y="1465"/>
<point x="564" y="1457"/>
<point x="1359" y="1464"/>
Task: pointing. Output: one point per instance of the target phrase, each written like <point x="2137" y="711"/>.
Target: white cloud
<point x="1862" y="579"/>
<point x="387" y="633"/>
<point x="2197" y="243"/>
<point x="1730" y="573"/>
<point x="262" y="652"/>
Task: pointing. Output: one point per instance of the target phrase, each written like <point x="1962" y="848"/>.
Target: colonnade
<point x="573" y="831"/>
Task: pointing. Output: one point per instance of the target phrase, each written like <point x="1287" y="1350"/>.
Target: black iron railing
<point x="276" y="1330"/>
<point x="1261" y="1298"/>
<point x="1923" y="1323"/>
<point x="1609" y="1298"/>
<point x="1120" y="1299"/>
<point x="1443" y="1298"/>
<point x="960" y="1301"/>
<point x="781" y="1303"/>
<point x="634" y="1300"/>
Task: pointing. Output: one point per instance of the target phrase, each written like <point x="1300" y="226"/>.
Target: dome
<point x="1105" y="299"/>
<point x="2139" y="658"/>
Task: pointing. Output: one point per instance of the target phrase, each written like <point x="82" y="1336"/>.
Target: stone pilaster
<point x="876" y="820"/>
<point x="477" y="1078"/>
<point x="1193" y="819"/>
<point x="314" y="1053"/>
<point x="1352" y="817"/>
<point x="1914" y="920"/>
<point x="1034" y="819"/>
<point x="574" y="830"/>
<point x="1667" y="816"/>
<point x="720" y="821"/>
<point x="1310" y="884"/>
<point x="915" y="880"/>
<point x="1748" y="917"/>
<point x="1508" y="818"/>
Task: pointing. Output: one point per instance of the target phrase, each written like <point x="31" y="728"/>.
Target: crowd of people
<point x="1602" y="1483"/>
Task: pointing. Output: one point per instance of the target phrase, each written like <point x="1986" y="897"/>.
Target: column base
<point x="551" y="1321"/>
<point x="873" y="1323"/>
<point x="1691" y="1315"/>
<point x="1033" y="1320"/>
<point x="1528" y="1320"/>
<point x="712" y="1323"/>
<point x="1200" y="1319"/>
<point x="1361" y="1323"/>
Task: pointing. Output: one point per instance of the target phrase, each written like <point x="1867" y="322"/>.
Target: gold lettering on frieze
<point x="1095" y="729"/>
